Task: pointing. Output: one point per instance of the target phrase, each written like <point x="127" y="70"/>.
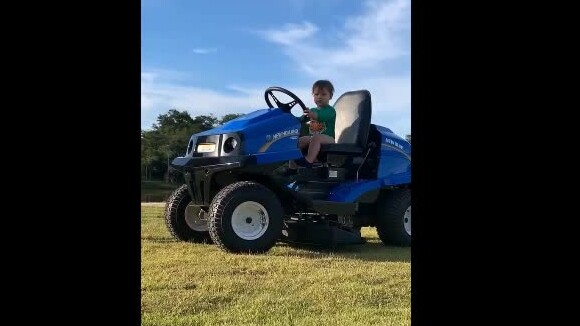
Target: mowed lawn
<point x="198" y="284"/>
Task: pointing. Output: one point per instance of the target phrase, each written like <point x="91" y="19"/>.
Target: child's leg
<point x="302" y="143"/>
<point x="315" y="143"/>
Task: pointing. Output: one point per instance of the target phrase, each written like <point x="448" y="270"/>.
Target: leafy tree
<point x="174" y="130"/>
<point x="147" y="160"/>
<point x="206" y="122"/>
<point x="172" y="120"/>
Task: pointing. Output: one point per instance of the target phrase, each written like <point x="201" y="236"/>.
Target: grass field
<point x="197" y="284"/>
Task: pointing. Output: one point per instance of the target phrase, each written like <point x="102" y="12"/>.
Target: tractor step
<point x="315" y="189"/>
<point x="321" y="173"/>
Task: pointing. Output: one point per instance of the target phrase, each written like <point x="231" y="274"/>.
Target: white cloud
<point x="204" y="50"/>
<point x="375" y="36"/>
<point x="158" y="97"/>
<point x="366" y="42"/>
<point x="371" y="51"/>
<point x="290" y="34"/>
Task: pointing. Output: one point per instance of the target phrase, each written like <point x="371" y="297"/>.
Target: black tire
<point x="175" y="218"/>
<point x="257" y="232"/>
<point x="391" y="219"/>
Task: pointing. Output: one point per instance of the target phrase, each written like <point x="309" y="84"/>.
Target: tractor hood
<point x="243" y="122"/>
<point x="263" y="136"/>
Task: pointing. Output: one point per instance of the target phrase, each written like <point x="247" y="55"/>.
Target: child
<point x="320" y="128"/>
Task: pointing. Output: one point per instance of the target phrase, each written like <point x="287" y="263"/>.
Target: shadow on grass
<point x="161" y="239"/>
<point x="370" y="251"/>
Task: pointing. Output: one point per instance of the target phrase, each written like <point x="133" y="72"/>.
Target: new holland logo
<point x="282" y="134"/>
<point x="394" y="143"/>
<point x="270" y="139"/>
<point x="285" y="133"/>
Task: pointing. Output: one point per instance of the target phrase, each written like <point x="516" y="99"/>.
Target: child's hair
<point x="323" y="84"/>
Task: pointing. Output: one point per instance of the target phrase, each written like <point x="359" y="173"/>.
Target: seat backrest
<point x="353" y="117"/>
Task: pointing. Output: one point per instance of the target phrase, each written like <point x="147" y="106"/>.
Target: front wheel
<point x="185" y="221"/>
<point x="393" y="219"/>
<point x="245" y="217"/>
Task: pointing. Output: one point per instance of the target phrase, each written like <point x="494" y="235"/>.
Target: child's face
<point x="321" y="96"/>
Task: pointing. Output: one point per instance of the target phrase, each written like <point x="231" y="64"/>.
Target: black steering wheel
<point x="286" y="107"/>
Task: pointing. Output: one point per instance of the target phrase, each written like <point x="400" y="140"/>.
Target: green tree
<point x="206" y="122"/>
<point x="172" y="120"/>
<point x="146" y="162"/>
<point x="175" y="128"/>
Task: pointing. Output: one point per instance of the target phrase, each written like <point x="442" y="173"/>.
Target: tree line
<point x="168" y="139"/>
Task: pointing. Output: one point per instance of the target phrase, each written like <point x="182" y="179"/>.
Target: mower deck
<point x="319" y="232"/>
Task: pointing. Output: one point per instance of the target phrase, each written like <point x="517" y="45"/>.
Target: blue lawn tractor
<point x="235" y="196"/>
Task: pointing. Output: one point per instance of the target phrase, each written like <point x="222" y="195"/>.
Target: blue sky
<point x="218" y="56"/>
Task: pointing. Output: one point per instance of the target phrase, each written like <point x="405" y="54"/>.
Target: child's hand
<point x="316" y="126"/>
<point x="310" y="114"/>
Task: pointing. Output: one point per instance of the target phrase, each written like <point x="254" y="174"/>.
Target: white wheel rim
<point x="250" y="220"/>
<point x="193" y="218"/>
<point x="407" y="220"/>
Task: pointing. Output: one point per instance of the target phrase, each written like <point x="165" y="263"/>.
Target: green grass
<point x="198" y="284"/>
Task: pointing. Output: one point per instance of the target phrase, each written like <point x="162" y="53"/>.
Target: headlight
<point x="230" y="144"/>
<point x="205" y="148"/>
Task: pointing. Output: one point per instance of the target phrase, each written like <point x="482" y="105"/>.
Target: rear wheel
<point x="245" y="217"/>
<point x="185" y="221"/>
<point x="393" y="219"/>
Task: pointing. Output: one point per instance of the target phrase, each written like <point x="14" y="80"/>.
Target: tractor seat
<point x="353" y="120"/>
